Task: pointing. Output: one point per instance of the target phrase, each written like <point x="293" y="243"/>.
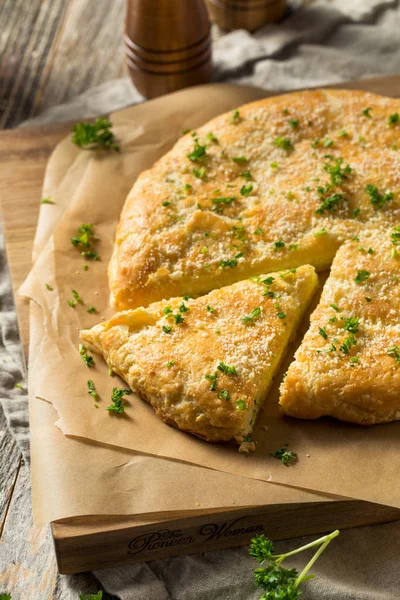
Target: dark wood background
<point x="52" y="50"/>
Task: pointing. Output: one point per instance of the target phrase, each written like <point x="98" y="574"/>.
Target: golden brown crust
<point x="174" y="240"/>
<point x="166" y="362"/>
<point x="351" y="369"/>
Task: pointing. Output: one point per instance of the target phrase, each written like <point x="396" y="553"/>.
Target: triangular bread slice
<point x="348" y="365"/>
<point x="206" y="364"/>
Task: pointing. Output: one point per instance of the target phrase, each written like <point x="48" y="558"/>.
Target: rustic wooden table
<point x="50" y="51"/>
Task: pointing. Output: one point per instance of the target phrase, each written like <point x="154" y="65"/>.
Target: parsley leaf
<point x="228" y="263"/>
<point x="330" y="203"/>
<point x="226" y="369"/>
<point x="98" y="596"/>
<point x="322" y="331"/>
<point x="87" y="359"/>
<point x="281" y="315"/>
<point x="294" y="123"/>
<point x="395" y="352"/>
<point x="377" y="199"/>
<point x="241" y="404"/>
<point x="49" y="287"/>
<point x="85" y="239"/>
<point x="286" y="456"/>
<point x="285" y="143"/>
<point x="235" y="118"/>
<point x="170" y="363"/>
<point x="200" y="173"/>
<point x="223" y="395"/>
<point x="246" y="175"/>
<point x="351" y="324"/>
<point x="198" y="153"/>
<point x="246" y="189"/>
<point x="361" y="276"/>
<point x="166" y="329"/>
<point x="91" y="388"/>
<point x="213" y="379"/>
<point x="278" y="582"/>
<point x="366" y="112"/>
<point x="393" y="119"/>
<point x="256" y="312"/>
<point x="97" y="135"/>
<point x="278" y="245"/>
<point x="45" y="201"/>
<point x="117" y="406"/>
<point x="239" y="159"/>
<point x="91" y="309"/>
<point x="347" y="344"/>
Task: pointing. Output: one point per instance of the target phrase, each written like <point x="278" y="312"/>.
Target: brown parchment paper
<point x="73" y="477"/>
<point x="334" y="457"/>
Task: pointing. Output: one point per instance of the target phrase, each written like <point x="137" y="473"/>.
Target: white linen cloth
<point x="326" y="42"/>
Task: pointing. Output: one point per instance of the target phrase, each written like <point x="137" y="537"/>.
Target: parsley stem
<point x="317" y="542"/>
<point x="328" y="539"/>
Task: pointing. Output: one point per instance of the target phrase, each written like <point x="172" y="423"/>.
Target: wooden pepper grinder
<point x="167" y="44"/>
<point x="245" y="14"/>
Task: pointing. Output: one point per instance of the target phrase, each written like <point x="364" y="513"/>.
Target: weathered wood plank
<point x="27" y="561"/>
<point x="89" y="50"/>
<point x="9" y="468"/>
<point x="52" y="50"/>
<point x="28" y="30"/>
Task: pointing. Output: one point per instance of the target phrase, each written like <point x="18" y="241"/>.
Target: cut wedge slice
<point x="206" y="364"/>
<point x="348" y="365"/>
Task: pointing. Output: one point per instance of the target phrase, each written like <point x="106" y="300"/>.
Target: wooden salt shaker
<point x="167" y="44"/>
<point x="245" y="14"/>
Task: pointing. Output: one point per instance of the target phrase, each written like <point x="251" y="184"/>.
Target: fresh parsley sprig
<point x="117" y="406"/>
<point x="277" y="582"/>
<point x="286" y="456"/>
<point x="97" y="135"/>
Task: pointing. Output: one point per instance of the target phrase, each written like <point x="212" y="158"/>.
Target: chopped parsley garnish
<point x="200" y="173"/>
<point x="335" y="308"/>
<point x="76" y="296"/>
<point x="219" y="203"/>
<point x="239" y="159"/>
<point x="393" y="119"/>
<point x="241" y="404"/>
<point x="367" y="112"/>
<point x="328" y="143"/>
<point x="246" y="175"/>
<point x="278" y="245"/>
<point x="343" y="133"/>
<point x="322" y="231"/>
<point x="356" y="212"/>
<point x="337" y="172"/>
<point x="210" y="309"/>
<point x="351" y="324"/>
<point x="84" y="241"/>
<point x="322" y="331"/>
<point x="213" y="379"/>
<point x="91" y="309"/>
<point x="348" y="343"/>
<point x="246" y="189"/>
<point x="361" y="276"/>
<point x="281" y="315"/>
<point x="46" y="201"/>
<point x="166" y="203"/>
<point x="285" y="455"/>
<point x="238" y="232"/>
<point x="223" y="395"/>
<point x="228" y="263"/>
<point x="395" y="236"/>
<point x="294" y="123"/>
<point x="285" y="143"/>
<point x="85" y="267"/>
<point x="293" y="247"/>
<point x="277" y="582"/>
<point x="178" y="318"/>
<point x="274" y="165"/>
<point x="166" y="329"/>
<point x="268" y="281"/>
<point x="72" y="303"/>
<point x="167" y="310"/>
<point x="226" y="369"/>
<point x="117" y="406"/>
<point x="330" y="203"/>
<point x="258" y="231"/>
<point x="170" y="364"/>
<point x="235" y="118"/>
<point x="183" y="308"/>
<point x="354" y="359"/>
<point x="368" y="299"/>
<point x="97" y="135"/>
<point x="256" y="312"/>
<point x="91" y="389"/>
<point x="395" y="352"/>
<point x="49" y="287"/>
<point x="185" y="131"/>
<point x="315" y="143"/>
<point x="87" y="359"/>
<point x="19" y="386"/>
<point x="377" y="199"/>
<point x="198" y="153"/>
<point x="210" y="136"/>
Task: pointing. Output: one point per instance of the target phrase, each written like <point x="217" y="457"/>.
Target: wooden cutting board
<point x="84" y="544"/>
